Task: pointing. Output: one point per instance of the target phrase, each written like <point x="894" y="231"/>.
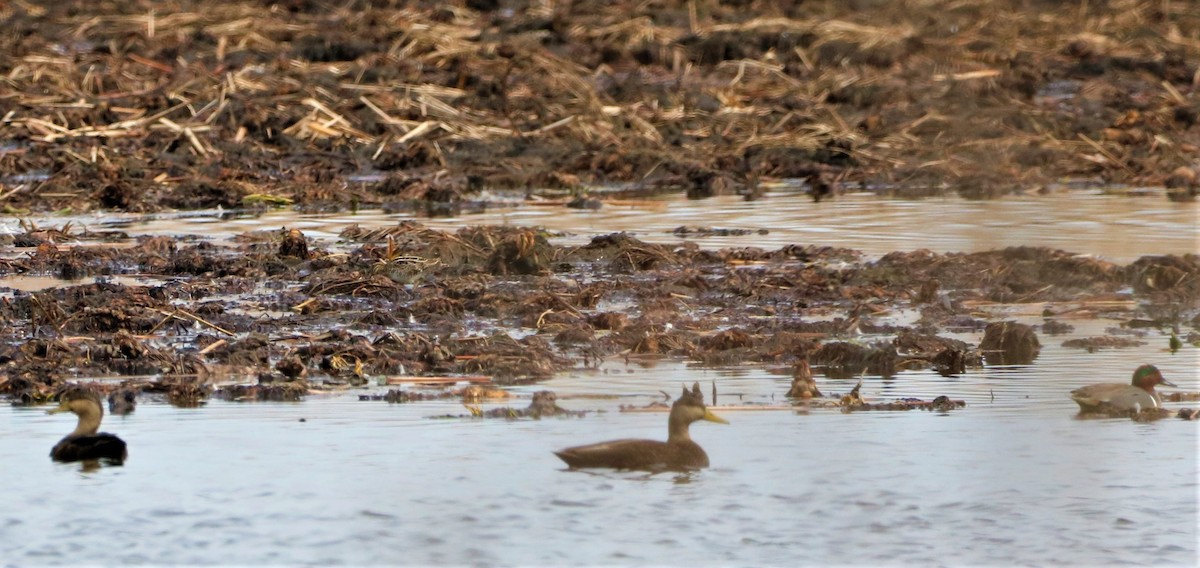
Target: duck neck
<point x="89" y="420"/>
<point x="1154" y="394"/>
<point x="677" y="428"/>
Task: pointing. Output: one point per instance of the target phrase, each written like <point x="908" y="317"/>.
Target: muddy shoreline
<point x="274" y="315"/>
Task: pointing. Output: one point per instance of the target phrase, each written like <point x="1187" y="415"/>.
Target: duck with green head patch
<point x="678" y="453"/>
<point x="85" y="443"/>
<point x="1136" y="396"/>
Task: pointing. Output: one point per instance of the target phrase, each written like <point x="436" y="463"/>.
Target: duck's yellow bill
<point x="709" y="416"/>
<point x="57" y="409"/>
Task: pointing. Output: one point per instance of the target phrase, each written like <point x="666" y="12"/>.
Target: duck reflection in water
<point x="85" y="444"/>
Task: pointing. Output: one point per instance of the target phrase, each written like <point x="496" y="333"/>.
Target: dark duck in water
<point x="122" y="401"/>
<point x="84" y="443"/>
<point x="678" y="453"/>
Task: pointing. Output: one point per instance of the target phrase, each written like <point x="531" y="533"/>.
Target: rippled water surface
<point x="1114" y="227"/>
<point x="1014" y="478"/>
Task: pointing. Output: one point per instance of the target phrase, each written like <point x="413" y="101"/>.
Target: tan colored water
<point x="1012" y="479"/>
<point x="1116" y="228"/>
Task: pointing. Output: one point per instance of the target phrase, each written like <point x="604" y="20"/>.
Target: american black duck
<point x="84" y="443"/>
<point x="678" y="453"/>
<point x="122" y="401"/>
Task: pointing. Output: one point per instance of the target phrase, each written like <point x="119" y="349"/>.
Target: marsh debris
<point x="803" y="386"/>
<point x="1092" y="344"/>
<point x="1009" y="343"/>
<point x="327" y="116"/>
<point x="509" y="305"/>
<point x="844" y="360"/>
<point x="939" y="404"/>
<point x="274" y="392"/>
<point x="543" y="405"/>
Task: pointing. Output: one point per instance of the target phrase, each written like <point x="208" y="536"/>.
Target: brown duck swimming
<point x="122" y="401"/>
<point x="678" y="453"/>
<point x="84" y="443"/>
<point x="1117" y="397"/>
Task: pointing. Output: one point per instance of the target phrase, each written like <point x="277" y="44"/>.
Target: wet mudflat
<point x="1012" y="477"/>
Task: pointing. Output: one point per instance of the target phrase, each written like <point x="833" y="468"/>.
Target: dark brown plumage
<point x="122" y="401"/>
<point x="678" y="453"/>
<point x="84" y="443"/>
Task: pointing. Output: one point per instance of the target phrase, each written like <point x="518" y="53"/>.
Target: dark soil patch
<point x="229" y="104"/>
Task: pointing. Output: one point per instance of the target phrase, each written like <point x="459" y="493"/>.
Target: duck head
<point x="75" y="406"/>
<point x="79" y="401"/>
<point x="544" y="402"/>
<point x="1147" y="377"/>
<point x="84" y="404"/>
<point x="690" y="406"/>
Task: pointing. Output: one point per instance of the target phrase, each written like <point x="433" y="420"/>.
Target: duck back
<point x="637" y="454"/>
<point x="1114" y="396"/>
<point x="90" y="447"/>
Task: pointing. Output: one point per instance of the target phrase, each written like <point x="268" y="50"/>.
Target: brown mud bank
<point x="277" y="314"/>
<point x="143" y="106"/>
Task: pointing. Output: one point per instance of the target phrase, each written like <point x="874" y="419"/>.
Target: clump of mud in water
<point x="1092" y="344"/>
<point x="1009" y="343"/>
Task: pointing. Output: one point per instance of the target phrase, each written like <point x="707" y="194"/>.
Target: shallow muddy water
<point x="1013" y="478"/>
<point x="1113" y="227"/>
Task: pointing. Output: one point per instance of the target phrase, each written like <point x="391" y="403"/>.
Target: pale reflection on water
<point x="1013" y="478"/>
<point x="1117" y="228"/>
